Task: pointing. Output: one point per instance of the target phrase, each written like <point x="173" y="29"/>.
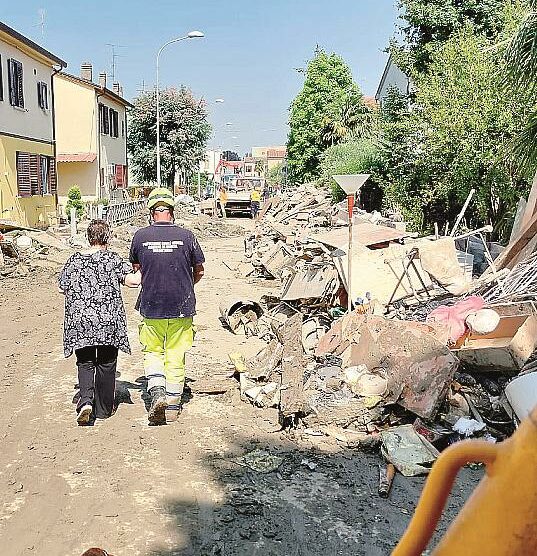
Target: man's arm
<point x="136" y="267"/>
<point x="199" y="271"/>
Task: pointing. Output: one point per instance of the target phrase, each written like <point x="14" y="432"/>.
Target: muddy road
<point x="176" y="489"/>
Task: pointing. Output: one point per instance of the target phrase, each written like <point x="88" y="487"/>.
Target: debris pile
<point x="436" y="348"/>
<point x="23" y="250"/>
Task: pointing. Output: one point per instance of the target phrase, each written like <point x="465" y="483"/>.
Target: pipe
<point x="463" y="211"/>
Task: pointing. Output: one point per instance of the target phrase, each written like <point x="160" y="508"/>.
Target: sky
<point x="248" y="57"/>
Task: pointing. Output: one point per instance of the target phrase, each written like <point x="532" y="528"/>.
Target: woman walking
<point x="95" y="324"/>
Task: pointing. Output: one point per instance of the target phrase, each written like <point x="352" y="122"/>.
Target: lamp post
<point x="191" y="35"/>
<point x="351" y="184"/>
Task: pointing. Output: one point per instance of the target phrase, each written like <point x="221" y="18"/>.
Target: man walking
<point x="171" y="262"/>
<point x="255" y="202"/>
<point x="222" y="200"/>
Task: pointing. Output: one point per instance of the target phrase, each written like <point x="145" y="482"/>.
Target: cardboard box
<point x="506" y="349"/>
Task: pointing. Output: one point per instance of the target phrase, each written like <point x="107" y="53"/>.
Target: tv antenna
<point x="115" y="56"/>
<point x="42" y="16"/>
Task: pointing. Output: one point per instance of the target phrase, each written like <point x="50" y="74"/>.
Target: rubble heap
<point x="420" y="362"/>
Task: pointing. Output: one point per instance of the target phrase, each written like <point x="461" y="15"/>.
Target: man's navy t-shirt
<point x="167" y="255"/>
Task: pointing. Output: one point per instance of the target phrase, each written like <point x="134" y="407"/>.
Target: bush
<point x="352" y="157"/>
<point x="74" y="199"/>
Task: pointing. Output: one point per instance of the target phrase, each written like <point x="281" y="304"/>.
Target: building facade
<point x="91" y="122"/>
<point x="27" y="131"/>
<point x="271" y="156"/>
<point x="392" y="78"/>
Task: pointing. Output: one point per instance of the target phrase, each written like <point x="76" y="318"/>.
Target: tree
<point x="427" y="24"/>
<point x="74" y="200"/>
<point x="353" y="157"/>
<point x="520" y="79"/>
<point x="277" y="175"/>
<point x="327" y="86"/>
<point x="230" y="156"/>
<point x="184" y="132"/>
<point x="454" y="139"/>
<point x="353" y="120"/>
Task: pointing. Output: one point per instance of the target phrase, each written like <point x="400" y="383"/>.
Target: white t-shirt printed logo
<point x="162" y="246"/>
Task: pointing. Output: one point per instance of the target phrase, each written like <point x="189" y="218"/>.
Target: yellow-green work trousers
<point x="164" y="344"/>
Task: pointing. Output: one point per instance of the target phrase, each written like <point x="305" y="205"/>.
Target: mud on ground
<point x="177" y="489"/>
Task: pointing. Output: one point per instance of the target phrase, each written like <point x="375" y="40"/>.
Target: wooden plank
<point x="531" y="205"/>
<point x="510" y="256"/>
<point x="517" y="223"/>
<point x="293" y="364"/>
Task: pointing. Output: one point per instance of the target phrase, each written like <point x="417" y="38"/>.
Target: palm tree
<point x="354" y="120"/>
<point x="521" y="77"/>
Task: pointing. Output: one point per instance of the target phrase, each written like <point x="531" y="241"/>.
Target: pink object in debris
<point x="453" y="318"/>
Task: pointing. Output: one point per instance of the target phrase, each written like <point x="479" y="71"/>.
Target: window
<point x="114" y="123"/>
<point x="44" y="162"/>
<point x="36" y="174"/>
<point x="16" y="89"/>
<point x="104" y="119"/>
<point x="42" y="95"/>
<point x="1" y="81"/>
<point x="121" y="176"/>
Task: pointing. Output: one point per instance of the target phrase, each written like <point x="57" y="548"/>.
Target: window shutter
<point x="45" y="96"/>
<point x="39" y="95"/>
<point x="20" y="88"/>
<point x="24" y="186"/>
<point x="11" y="82"/>
<point x="35" y="180"/>
<point x="52" y="179"/>
<point x="15" y="79"/>
<point x="1" y="81"/>
<point x="125" y="176"/>
<point x="119" y="175"/>
<point x="106" y="120"/>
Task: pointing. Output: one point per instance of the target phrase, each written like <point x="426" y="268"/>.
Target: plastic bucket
<point x="522" y="394"/>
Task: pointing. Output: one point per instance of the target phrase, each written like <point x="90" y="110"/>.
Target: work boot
<point x="84" y="414"/>
<point x="157" y="410"/>
<point x="173" y="412"/>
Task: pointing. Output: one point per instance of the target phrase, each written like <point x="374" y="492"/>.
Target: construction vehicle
<point x="239" y="190"/>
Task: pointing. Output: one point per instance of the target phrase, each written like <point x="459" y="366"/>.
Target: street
<point x="176" y="489"/>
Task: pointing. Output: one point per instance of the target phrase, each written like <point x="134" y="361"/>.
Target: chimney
<point x="102" y="79"/>
<point x="116" y="87"/>
<point x="86" y="71"/>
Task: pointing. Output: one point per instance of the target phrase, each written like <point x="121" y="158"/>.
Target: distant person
<point x="95" y="325"/>
<point x="171" y="263"/>
<point x="255" y="202"/>
<point x="222" y="200"/>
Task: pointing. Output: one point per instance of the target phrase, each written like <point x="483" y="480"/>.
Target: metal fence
<point x="118" y="213"/>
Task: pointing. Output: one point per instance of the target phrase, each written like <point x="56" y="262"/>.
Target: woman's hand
<point x="134" y="279"/>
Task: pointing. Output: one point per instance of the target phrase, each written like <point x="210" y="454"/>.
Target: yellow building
<point x="27" y="133"/>
<point x="91" y="122"/>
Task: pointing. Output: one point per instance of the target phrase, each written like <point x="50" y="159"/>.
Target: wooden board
<point x="511" y="255"/>
<point x="292" y="386"/>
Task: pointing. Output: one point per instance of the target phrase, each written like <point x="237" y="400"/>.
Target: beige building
<point x="27" y="133"/>
<point x="91" y="123"/>
<point x="271" y="156"/>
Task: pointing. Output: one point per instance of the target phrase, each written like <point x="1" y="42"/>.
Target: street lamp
<point x="351" y="184"/>
<point x="191" y="35"/>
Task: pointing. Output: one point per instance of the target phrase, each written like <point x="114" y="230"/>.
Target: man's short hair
<point x="98" y="232"/>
